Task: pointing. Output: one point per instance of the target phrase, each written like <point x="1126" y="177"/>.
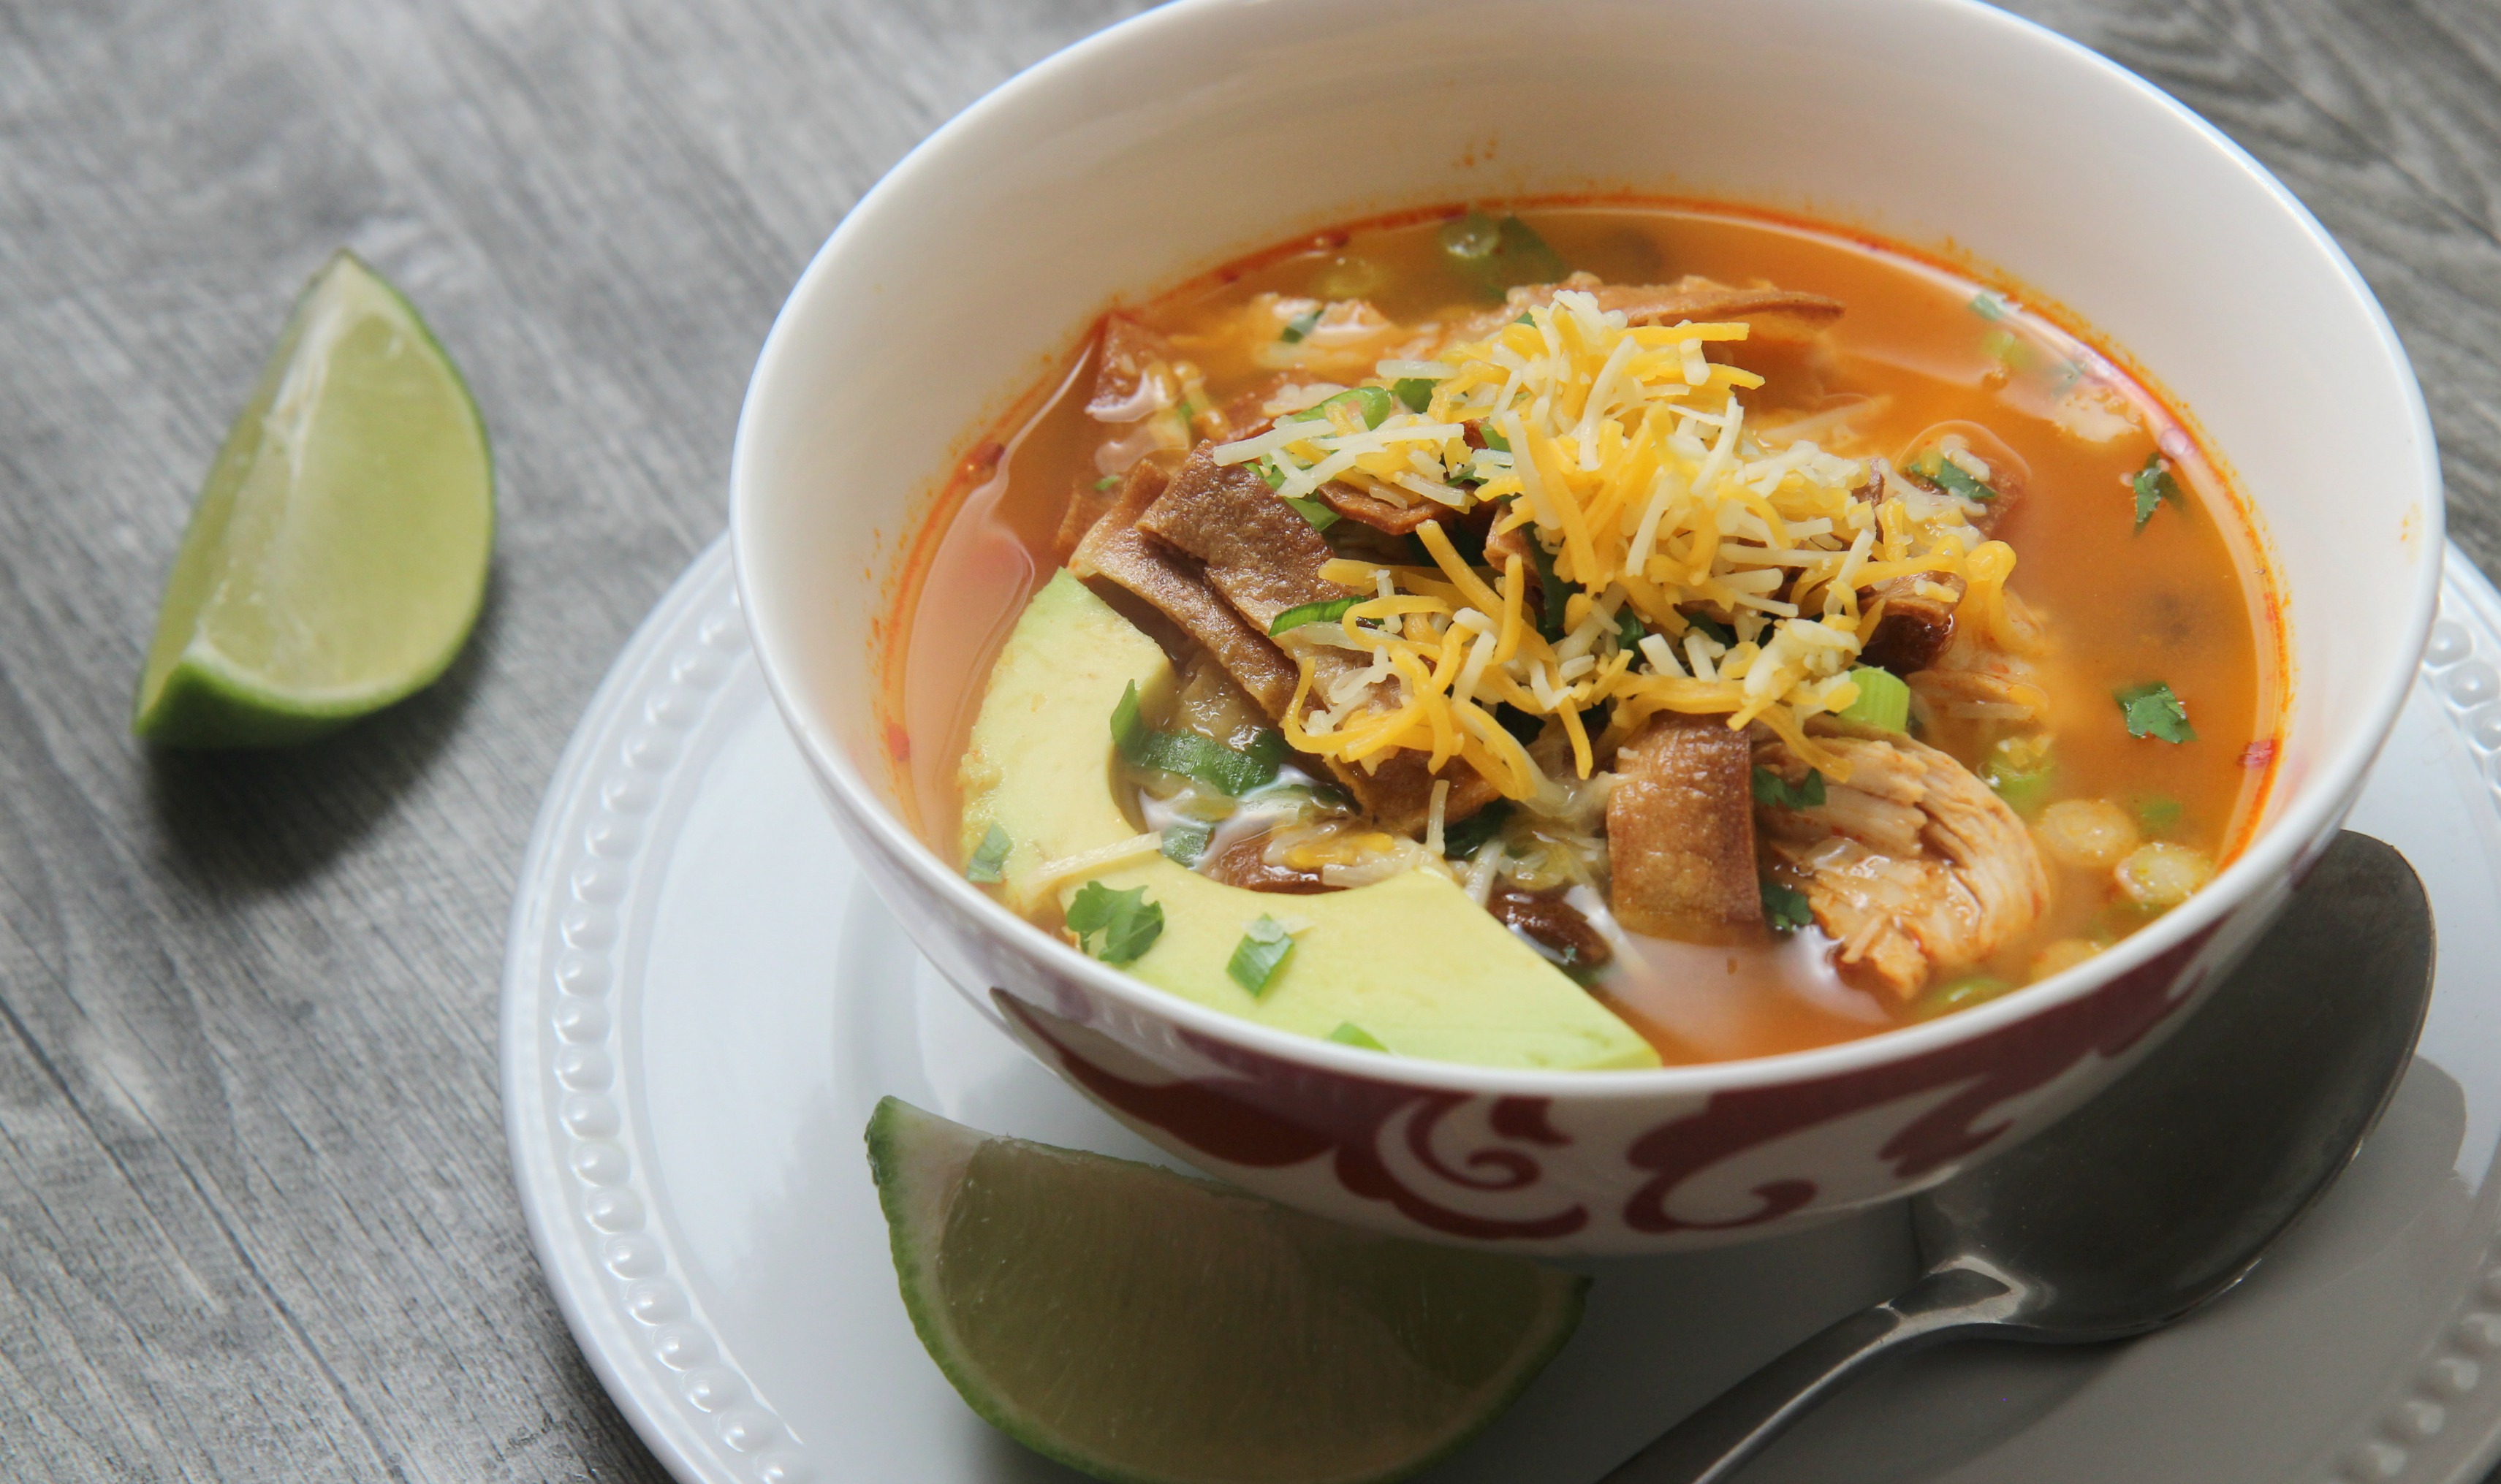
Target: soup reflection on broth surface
<point x="1590" y="636"/>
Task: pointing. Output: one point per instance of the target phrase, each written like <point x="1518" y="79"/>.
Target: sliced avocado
<point x="1040" y="762"/>
<point x="1411" y="960"/>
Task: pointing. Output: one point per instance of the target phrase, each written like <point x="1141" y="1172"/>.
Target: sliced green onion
<point x="1231" y="771"/>
<point x="989" y="857"/>
<point x="1472" y="238"/>
<point x="1185" y="842"/>
<point x="1328" y="612"/>
<point x="1349" y="1033"/>
<point x="1259" y="954"/>
<point x="1299" y="326"/>
<point x="2018" y="770"/>
<point x="1319" y="515"/>
<point x="1493" y="437"/>
<point x="1958" y="995"/>
<point x="1883" y="700"/>
<point x="1372" y="404"/>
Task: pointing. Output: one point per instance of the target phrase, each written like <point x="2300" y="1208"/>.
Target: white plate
<point x="703" y="999"/>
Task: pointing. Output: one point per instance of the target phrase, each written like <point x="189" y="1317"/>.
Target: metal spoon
<point x="2159" y="1194"/>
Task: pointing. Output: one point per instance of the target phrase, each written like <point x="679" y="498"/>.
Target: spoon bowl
<point x="2159" y="1195"/>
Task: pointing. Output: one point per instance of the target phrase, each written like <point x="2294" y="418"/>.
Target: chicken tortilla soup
<point x="1587" y="637"/>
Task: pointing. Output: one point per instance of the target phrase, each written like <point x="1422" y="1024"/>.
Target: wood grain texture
<point x="256" y="1220"/>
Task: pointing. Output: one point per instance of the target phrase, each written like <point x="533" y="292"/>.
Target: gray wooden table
<point x="256" y="1221"/>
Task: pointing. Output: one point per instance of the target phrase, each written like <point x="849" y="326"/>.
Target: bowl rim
<point x="2314" y="806"/>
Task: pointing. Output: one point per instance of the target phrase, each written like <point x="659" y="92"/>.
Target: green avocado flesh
<point x="1411" y="960"/>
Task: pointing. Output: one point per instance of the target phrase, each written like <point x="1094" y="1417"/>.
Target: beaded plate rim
<point x="592" y="862"/>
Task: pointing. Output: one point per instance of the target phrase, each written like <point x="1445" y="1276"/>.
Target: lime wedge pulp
<point x="1152" y="1329"/>
<point x="337" y="557"/>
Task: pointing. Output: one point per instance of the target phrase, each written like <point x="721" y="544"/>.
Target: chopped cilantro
<point x="2152" y="711"/>
<point x="1779" y="793"/>
<point x="1259" y="954"/>
<point x="2154" y="484"/>
<point x="1550" y="590"/>
<point x="1299" y="326"/>
<point x="1462" y="841"/>
<point x="1349" y="1033"/>
<point x="1714" y="630"/>
<point x="1784" y="908"/>
<point x="990" y="855"/>
<point x="2158" y="815"/>
<point x="1329" y="611"/>
<point x="1319" y="516"/>
<point x="1953" y="479"/>
<point x="1628" y="628"/>
<point x="1233" y="771"/>
<point x="1185" y="842"/>
<point x="1414" y="391"/>
<point x="1125" y="922"/>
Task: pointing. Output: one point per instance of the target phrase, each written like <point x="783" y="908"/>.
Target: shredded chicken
<point x="1913" y="865"/>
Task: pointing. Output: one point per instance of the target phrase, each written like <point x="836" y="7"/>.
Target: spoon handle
<point x="1714" y="1442"/>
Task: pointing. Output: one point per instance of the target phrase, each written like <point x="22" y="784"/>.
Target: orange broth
<point x="2184" y="600"/>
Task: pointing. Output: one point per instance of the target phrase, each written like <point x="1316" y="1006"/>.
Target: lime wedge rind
<point x="921" y="1162"/>
<point x="337" y="559"/>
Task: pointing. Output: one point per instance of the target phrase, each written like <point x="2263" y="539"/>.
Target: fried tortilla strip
<point x="1680" y="832"/>
<point x="1129" y="354"/>
<point x="1779" y="315"/>
<point x="1085" y="506"/>
<point x="1115" y="549"/>
<point x="1768" y="312"/>
<point x="1378" y="513"/>
<point x="1263" y="558"/>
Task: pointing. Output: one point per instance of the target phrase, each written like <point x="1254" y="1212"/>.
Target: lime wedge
<point x="1147" y="1327"/>
<point x="338" y="554"/>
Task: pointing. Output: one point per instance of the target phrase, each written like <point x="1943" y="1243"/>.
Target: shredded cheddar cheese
<point x="1623" y="454"/>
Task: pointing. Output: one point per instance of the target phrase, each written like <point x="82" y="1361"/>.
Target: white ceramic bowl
<point x="1207" y="128"/>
